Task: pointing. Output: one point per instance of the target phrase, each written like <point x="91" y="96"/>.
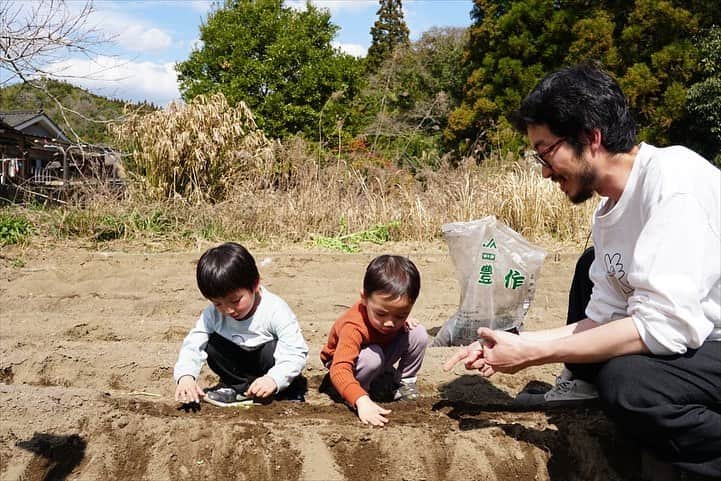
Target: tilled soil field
<point x="88" y="340"/>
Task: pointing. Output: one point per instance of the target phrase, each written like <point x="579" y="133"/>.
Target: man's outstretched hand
<point x="494" y="351"/>
<point x="466" y="354"/>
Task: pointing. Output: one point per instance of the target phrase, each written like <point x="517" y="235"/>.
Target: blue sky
<point x="150" y="36"/>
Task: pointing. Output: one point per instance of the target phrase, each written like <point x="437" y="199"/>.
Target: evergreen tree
<point x="389" y="32"/>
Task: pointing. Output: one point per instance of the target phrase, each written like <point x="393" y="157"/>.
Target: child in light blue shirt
<point x="249" y="336"/>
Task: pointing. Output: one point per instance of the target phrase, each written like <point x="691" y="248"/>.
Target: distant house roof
<point x="8" y="135"/>
<point x="18" y="117"/>
<point x="4" y="125"/>
<point x="28" y="121"/>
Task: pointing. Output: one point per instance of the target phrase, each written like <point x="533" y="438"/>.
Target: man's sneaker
<point x="225" y="396"/>
<point x="406" y="392"/>
<point x="567" y="391"/>
<point x="570" y="390"/>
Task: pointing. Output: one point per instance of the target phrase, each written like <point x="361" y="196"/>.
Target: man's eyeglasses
<point x="540" y="157"/>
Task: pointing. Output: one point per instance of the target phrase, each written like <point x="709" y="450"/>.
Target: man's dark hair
<point x="575" y="100"/>
<point x="395" y="276"/>
<point x="224" y="269"/>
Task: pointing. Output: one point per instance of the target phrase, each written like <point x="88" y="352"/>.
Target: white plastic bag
<point x="496" y="271"/>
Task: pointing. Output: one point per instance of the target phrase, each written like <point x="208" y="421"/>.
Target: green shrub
<point x="109" y="228"/>
<point x="14" y="229"/>
<point x="378" y="234"/>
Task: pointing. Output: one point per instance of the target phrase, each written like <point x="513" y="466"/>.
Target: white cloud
<point x="107" y="20"/>
<point x="196" y="44"/>
<point x="140" y="39"/>
<point x="116" y="78"/>
<point x="130" y="32"/>
<point x="295" y="4"/>
<point x="334" y="6"/>
<point x="202" y="6"/>
<point x="354" y="49"/>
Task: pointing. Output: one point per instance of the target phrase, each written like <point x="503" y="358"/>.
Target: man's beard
<point x="587" y="181"/>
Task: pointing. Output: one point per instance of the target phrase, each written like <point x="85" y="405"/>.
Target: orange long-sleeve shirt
<point x="350" y="333"/>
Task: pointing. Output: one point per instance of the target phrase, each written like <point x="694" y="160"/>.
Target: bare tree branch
<point x="35" y="34"/>
<point x="38" y="34"/>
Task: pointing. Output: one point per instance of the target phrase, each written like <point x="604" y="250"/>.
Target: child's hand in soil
<point x="188" y="390"/>
<point x="262" y="387"/>
<point x="371" y="413"/>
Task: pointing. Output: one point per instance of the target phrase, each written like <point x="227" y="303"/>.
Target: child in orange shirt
<point x="374" y="334"/>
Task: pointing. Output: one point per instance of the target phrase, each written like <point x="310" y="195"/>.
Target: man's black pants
<point x="670" y="404"/>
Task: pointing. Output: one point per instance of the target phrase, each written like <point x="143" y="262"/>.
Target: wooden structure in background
<point x="34" y="151"/>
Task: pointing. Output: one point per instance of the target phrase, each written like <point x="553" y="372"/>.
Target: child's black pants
<point x="238" y="368"/>
<point x="235" y="366"/>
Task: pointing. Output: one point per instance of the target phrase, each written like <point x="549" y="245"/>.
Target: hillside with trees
<point x="84" y="113"/>
<point x="448" y="94"/>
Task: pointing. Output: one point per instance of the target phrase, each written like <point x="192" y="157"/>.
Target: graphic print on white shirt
<point x="614" y="270"/>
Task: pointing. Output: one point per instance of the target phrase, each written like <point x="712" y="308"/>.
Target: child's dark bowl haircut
<point x="224" y="269"/>
<point x="394" y="276"/>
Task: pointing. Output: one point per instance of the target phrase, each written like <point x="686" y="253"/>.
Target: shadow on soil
<point x="55" y="456"/>
<point x="585" y="446"/>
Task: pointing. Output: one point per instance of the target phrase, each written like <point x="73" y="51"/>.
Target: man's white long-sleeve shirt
<point x="658" y="251"/>
<point x="273" y="319"/>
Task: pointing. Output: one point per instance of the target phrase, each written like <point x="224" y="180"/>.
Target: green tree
<point x="511" y="43"/>
<point x="703" y="100"/>
<point x="278" y="60"/>
<point x="388" y="32"/>
<point x="646" y="44"/>
<point x="660" y="62"/>
<point x="407" y="101"/>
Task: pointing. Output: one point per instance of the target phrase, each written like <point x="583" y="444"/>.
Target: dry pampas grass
<point x="196" y="151"/>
